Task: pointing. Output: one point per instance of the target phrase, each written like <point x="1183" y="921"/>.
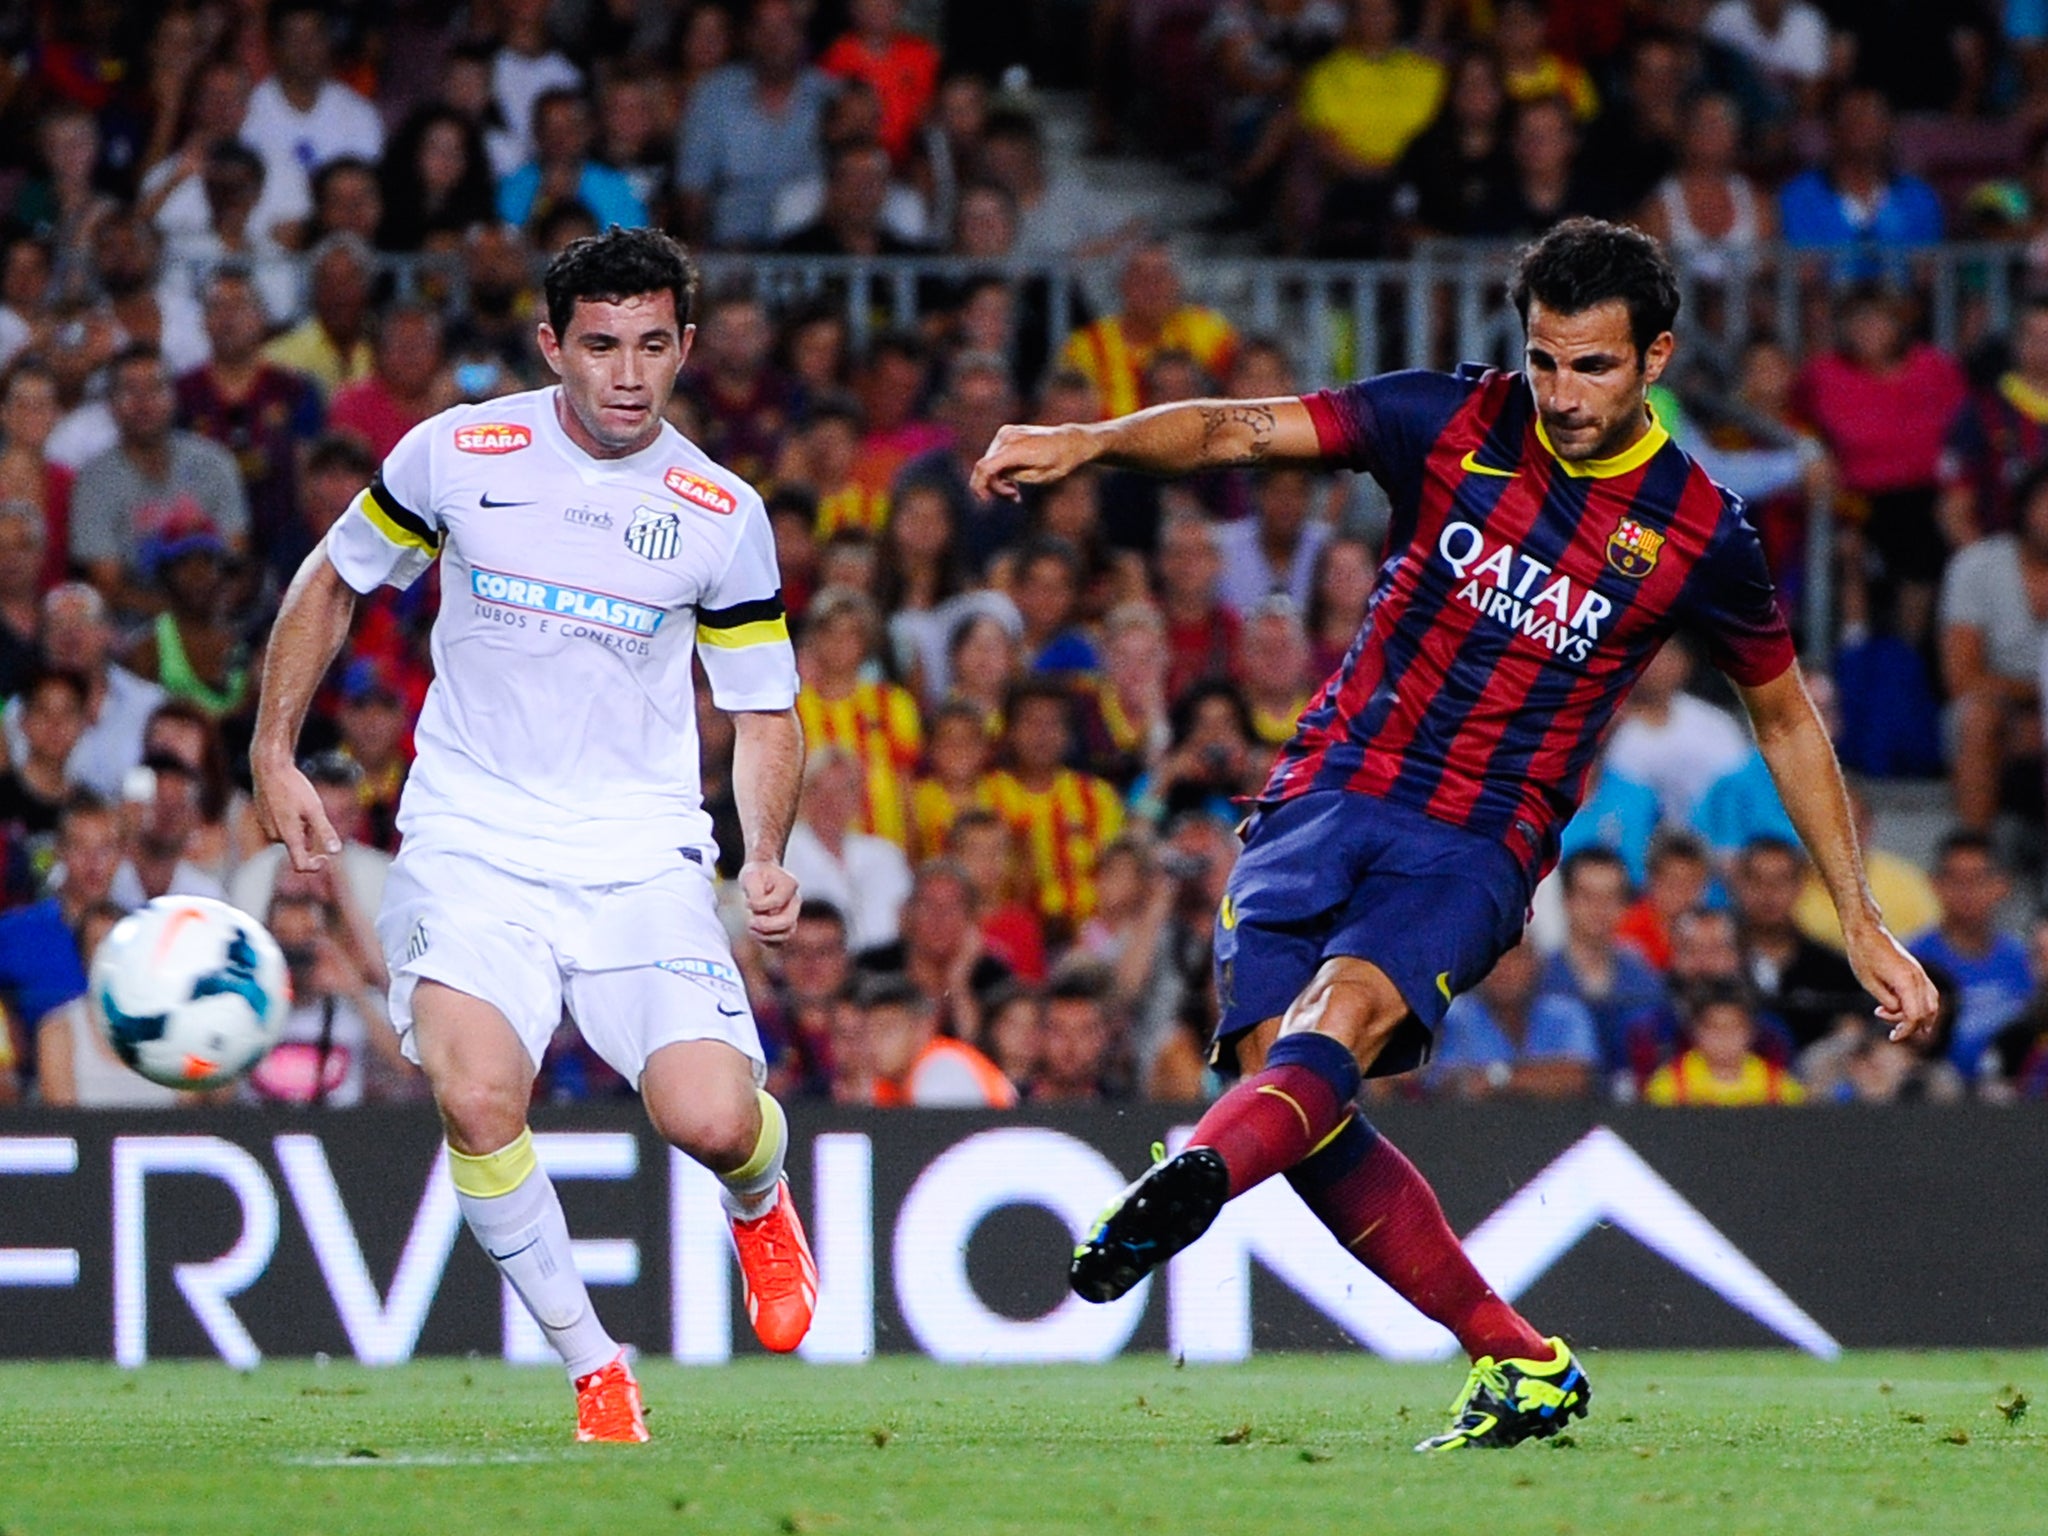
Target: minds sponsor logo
<point x="1523" y="593"/>
<point x="597" y="608"/>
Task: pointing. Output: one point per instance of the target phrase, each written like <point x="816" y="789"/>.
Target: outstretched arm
<point x="311" y="626"/>
<point x="1177" y="439"/>
<point x="1795" y="745"/>
<point x="767" y="770"/>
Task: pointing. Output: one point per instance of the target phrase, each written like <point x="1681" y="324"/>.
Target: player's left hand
<point x="773" y="900"/>
<point x="1906" y="999"/>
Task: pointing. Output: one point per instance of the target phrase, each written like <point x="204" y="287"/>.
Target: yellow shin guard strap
<point x="495" y="1173"/>
<point x="774" y="1133"/>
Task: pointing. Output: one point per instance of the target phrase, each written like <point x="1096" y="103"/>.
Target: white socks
<point x="510" y="1204"/>
<point x="749" y="1190"/>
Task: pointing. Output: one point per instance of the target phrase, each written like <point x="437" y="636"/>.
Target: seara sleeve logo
<point x="700" y="492"/>
<point x="493" y="437"/>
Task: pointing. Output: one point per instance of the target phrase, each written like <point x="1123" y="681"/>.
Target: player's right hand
<point x="288" y="809"/>
<point x="1021" y="456"/>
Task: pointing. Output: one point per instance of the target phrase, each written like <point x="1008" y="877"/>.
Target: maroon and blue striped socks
<point x="1272" y="1120"/>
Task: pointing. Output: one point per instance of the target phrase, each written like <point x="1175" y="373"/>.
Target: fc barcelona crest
<point x="654" y="535"/>
<point x="1632" y="549"/>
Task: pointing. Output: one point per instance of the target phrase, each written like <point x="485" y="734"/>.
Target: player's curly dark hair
<point x="1583" y="262"/>
<point x="616" y="265"/>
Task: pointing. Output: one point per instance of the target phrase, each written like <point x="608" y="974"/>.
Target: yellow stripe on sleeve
<point x="740" y="636"/>
<point x="381" y="519"/>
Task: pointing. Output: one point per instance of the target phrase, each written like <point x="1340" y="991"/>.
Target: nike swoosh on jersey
<point x="484" y="500"/>
<point x="730" y="1013"/>
<point x="1471" y="465"/>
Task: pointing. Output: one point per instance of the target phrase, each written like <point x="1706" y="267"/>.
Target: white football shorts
<point x="637" y="965"/>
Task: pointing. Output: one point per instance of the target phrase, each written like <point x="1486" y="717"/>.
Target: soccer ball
<point x="190" y="992"/>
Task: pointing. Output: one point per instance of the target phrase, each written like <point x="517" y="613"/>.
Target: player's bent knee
<point x="480" y="1117"/>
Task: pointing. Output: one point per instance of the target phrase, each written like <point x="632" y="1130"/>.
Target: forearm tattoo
<point x="1236" y="434"/>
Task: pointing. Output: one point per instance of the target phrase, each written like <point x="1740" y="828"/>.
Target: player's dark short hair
<point x="1584" y="262"/>
<point x="617" y="265"/>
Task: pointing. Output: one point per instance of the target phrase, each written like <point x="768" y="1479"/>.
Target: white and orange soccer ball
<point x="190" y="992"/>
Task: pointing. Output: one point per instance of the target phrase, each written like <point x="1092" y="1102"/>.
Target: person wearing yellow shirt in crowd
<point x="1114" y="352"/>
<point x="956" y="779"/>
<point x="1722" y="1067"/>
<point x="1272" y="664"/>
<point x="1062" y="819"/>
<point x="1363" y="101"/>
<point x="1530" y="70"/>
<point x="332" y="344"/>
<point x="876" y="722"/>
<point x="823" y="455"/>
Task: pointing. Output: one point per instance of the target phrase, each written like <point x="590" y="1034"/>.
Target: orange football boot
<point x="608" y="1404"/>
<point x="778" y="1273"/>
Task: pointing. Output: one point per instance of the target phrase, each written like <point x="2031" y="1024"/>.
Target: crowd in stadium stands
<point x="249" y="243"/>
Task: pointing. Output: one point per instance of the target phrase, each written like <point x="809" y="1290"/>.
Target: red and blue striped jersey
<point x="1518" y="600"/>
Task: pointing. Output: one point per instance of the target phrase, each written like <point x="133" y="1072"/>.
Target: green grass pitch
<point x="1696" y="1443"/>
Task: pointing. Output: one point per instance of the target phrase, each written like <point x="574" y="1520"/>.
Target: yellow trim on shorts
<point x="495" y="1173"/>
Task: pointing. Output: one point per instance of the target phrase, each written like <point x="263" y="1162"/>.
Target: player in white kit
<point x="556" y="850"/>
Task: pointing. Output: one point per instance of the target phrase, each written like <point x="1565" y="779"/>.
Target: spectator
<point x="80" y="350"/>
<point x="751" y="130"/>
<point x="1993" y="633"/>
<point x="977" y="400"/>
<point x="261" y="413"/>
<point x="41" y="967"/>
<point x="1859" y="1063"/>
<point x="1721" y="1067"/>
<point x="2000" y="433"/>
<point x="982" y="844"/>
<point x="1858" y="200"/>
<point x="337" y="780"/>
<point x="1710" y="215"/>
<point x="1134" y="908"/>
<point x="375" y="717"/>
<point x="525" y="66"/>
<point x="941" y="953"/>
<point x="227" y="818"/>
<point x="1617" y="814"/>
<point x="28" y="415"/>
<point x="1459" y="164"/>
<point x="891" y="386"/>
<point x="1706" y="953"/>
<point x="1785" y="41"/>
<point x="165" y="817"/>
<point x="916" y="1066"/>
<point x="813" y="970"/>
<point x="1114" y="352"/>
<point x="1531" y="70"/>
<point x="865" y="877"/>
<point x="141" y="304"/>
<point x="876" y="723"/>
<point x="153" y="472"/>
<point x="348" y="199"/>
<point x="1273" y="667"/>
<point x="1079" y="1045"/>
<point x="1059" y="216"/>
<point x="1680" y="874"/>
<point x="76" y="639"/>
<point x="332" y="344"/>
<point x="1508" y="1037"/>
<point x="336" y="1029"/>
<point x="1015" y="1032"/>
<point x="1275" y="549"/>
<point x="1342" y="586"/>
<point x="21" y="569"/>
<point x="436" y="181"/>
<point x="35" y="788"/>
<point x="1046" y="586"/>
<point x="1201" y="633"/>
<point x="65" y="202"/>
<point x="562" y="170"/>
<point x="902" y="67"/>
<point x="172" y="193"/>
<point x="1805" y="984"/>
<point x="1259" y="49"/>
<point x="498" y="324"/>
<point x="1988" y="966"/>
<point x="302" y="117"/>
<point x="1545" y="182"/>
<point x="1637" y="138"/>
<point x="1126" y="727"/>
<point x="924" y="589"/>
<point x="1674" y="742"/>
<point x="1610" y="979"/>
<point x="75" y="1067"/>
<point x="1882" y="403"/>
<point x="1062" y="818"/>
<point x="1215" y="762"/>
<point x="633" y="138"/>
<point x="746" y="403"/>
<point x="232" y="187"/>
<point x="192" y="652"/>
<point x="1359" y="107"/>
<point x="957" y="762"/>
<point x="2019" y="1056"/>
<point x="983" y="661"/>
<point x="404" y="388"/>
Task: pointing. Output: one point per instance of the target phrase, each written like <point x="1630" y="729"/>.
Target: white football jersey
<point x="560" y="734"/>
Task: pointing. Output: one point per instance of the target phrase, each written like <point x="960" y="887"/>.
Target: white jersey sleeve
<point x="390" y="533"/>
<point x="742" y="631"/>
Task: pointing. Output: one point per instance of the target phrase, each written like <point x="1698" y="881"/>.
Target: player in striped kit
<point x="1547" y="538"/>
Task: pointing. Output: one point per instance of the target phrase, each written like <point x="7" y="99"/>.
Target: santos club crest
<point x="654" y="535"/>
<point x="1632" y="549"/>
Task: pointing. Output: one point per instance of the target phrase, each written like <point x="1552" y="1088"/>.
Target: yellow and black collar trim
<point x="1631" y="458"/>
